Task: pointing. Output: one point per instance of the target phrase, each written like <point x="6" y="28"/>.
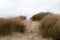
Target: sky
<point x="12" y="8"/>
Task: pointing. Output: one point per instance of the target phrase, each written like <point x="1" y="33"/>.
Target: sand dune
<point x="31" y="33"/>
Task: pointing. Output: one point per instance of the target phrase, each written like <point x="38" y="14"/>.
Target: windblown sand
<point x="31" y="33"/>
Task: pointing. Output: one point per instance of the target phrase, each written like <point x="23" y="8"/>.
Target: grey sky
<point x="27" y="7"/>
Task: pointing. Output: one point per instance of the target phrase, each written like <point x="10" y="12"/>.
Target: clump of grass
<point x="39" y="16"/>
<point x="10" y="25"/>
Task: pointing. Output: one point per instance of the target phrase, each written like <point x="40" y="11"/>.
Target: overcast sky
<point x="27" y="7"/>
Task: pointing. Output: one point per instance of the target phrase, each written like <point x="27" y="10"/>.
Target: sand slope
<point x="31" y="33"/>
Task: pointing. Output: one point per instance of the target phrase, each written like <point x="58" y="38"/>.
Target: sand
<point x="31" y="33"/>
